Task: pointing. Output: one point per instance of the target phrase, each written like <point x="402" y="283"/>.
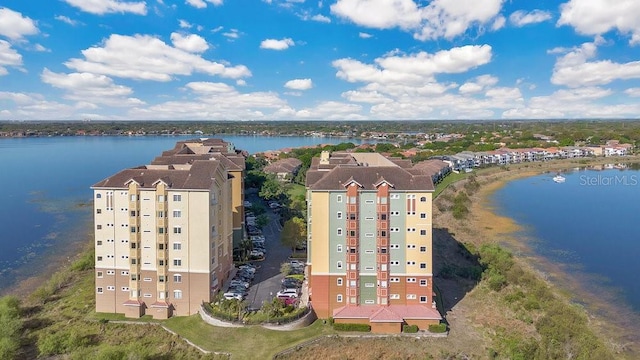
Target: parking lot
<point x="268" y="279"/>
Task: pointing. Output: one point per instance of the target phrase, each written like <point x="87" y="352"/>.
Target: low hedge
<point x="410" y="328"/>
<point x="438" y="328"/>
<point x="352" y="327"/>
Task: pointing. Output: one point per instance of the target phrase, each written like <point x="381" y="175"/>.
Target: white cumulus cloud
<point x="364" y="35"/>
<point x="201" y="4"/>
<point x="68" y="20"/>
<point x="131" y="56"/>
<point x="299" y="84"/>
<point x="14" y="25"/>
<point x="101" y="7"/>
<point x="574" y="68"/>
<point x="438" y="19"/>
<point x="596" y="17"/>
<point x="521" y="18"/>
<point x="8" y="57"/>
<point x="192" y="43"/>
<point x="273" y="44"/>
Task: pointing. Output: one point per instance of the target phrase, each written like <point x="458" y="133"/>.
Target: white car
<point x="256" y="253"/>
<point x="292" y="293"/>
<point x="247" y="204"/>
<point x="239" y="282"/>
<point x="233" y="296"/>
<point x="248" y="268"/>
<point x="296" y="263"/>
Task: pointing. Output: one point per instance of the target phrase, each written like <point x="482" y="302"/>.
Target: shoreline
<point x="614" y="320"/>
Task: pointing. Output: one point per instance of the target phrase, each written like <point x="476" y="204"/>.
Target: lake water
<point x="590" y="224"/>
<point x="45" y="202"/>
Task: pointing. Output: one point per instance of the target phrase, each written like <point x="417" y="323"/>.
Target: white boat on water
<point x="559" y="178"/>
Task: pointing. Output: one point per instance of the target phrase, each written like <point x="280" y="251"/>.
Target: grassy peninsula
<point x="498" y="305"/>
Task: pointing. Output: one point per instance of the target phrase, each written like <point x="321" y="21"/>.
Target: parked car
<point x="288" y="293"/>
<point x="233" y="296"/>
<point x="296" y="263"/>
<point x="288" y="300"/>
<point x="256" y="253"/>
<point x="247" y="204"/>
<point x="288" y="283"/>
<point x="239" y="282"/>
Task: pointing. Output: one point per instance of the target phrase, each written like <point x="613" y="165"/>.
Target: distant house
<point x="438" y="169"/>
<point x="284" y="169"/>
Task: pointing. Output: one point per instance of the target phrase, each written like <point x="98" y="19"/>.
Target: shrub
<point x="438" y="328"/>
<point x="410" y="328"/>
<point x="352" y="327"/>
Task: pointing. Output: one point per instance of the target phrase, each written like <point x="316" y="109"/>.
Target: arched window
<point x="98" y="196"/>
<point x="423" y="199"/>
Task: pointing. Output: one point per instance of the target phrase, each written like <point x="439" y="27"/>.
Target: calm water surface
<point x="45" y="181"/>
<point x="591" y="223"/>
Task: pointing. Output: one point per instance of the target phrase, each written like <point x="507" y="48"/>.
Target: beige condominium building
<point x="370" y="241"/>
<point x="164" y="231"/>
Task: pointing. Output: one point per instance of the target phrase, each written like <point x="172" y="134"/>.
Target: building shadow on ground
<point x="456" y="270"/>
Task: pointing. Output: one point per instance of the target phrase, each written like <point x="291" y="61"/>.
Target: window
<point x="411" y="280"/>
<point x="339" y="281"/>
<point x="99" y="290"/>
<point x="423" y="265"/>
<point x="133" y="197"/>
<point x="423" y="199"/>
<point x="111" y="288"/>
<point x="411" y="296"/>
<point x="352" y="216"/>
<point x="147" y="279"/>
<point x="339" y="298"/>
<point x="394" y="280"/>
<point x="98" y="211"/>
<point x="395" y="213"/>
<point x="368" y="235"/>
<point x="161" y="262"/>
<point x="99" y="227"/>
<point x="394" y="246"/>
<point x="161" y="214"/>
<point x="177" y="213"/>
<point x="177" y="262"/>
<point x="133" y="229"/>
<point x="124" y="272"/>
<point x="177" y="197"/>
<point x="160" y="246"/>
<point x="160" y="230"/>
<point x="339" y="248"/>
<point x="411" y="262"/>
<point x="369" y="285"/>
<point x="99" y="274"/>
<point x="369" y="302"/>
<point x="423" y="299"/>
<point x="423" y="232"/>
<point x="124" y="288"/>
<point x="339" y="264"/>
<point x="394" y="296"/>
<point x="383" y="233"/>
<point x="423" y="282"/>
<point x="368" y="201"/>
<point x="177" y="230"/>
<point x="383" y="250"/>
<point x="411" y="246"/>
<point x="395" y="196"/>
<point x="99" y="242"/>
<point x="161" y="278"/>
<point x="423" y="215"/>
<point x="368" y="268"/>
<point x="161" y="198"/>
<point x="423" y="249"/>
<point x="177" y="246"/>
<point x="383" y="216"/>
<point x="394" y="263"/>
<point x="369" y="218"/>
<point x="339" y="215"/>
<point x="147" y="295"/>
<point x="98" y="196"/>
<point x="111" y="272"/>
<point x="134" y="261"/>
<point x="411" y="229"/>
<point x="368" y="252"/>
<point x="352" y="233"/>
<point x="99" y="258"/>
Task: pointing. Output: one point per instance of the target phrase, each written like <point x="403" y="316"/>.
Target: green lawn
<point x="451" y="178"/>
<point x="252" y="342"/>
<point x="296" y="190"/>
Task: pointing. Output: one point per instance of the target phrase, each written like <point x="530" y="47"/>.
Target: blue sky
<point x="319" y="60"/>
